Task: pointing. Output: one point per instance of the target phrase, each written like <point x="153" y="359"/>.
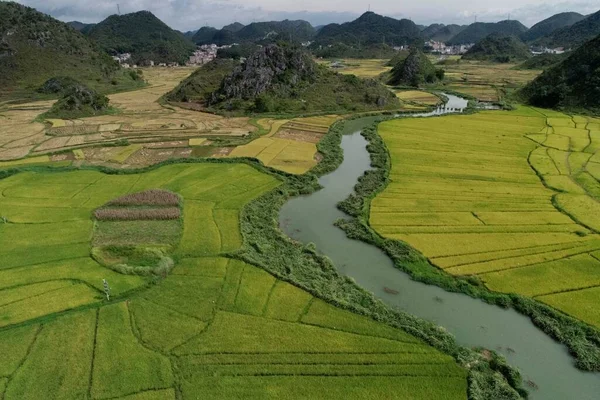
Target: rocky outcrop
<point x="272" y="67"/>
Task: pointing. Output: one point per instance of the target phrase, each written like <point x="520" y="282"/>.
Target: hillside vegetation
<point x="144" y="36"/>
<point x="197" y="87"/>
<point x="498" y="48"/>
<point x="573" y="83"/>
<point x="574" y="35"/>
<point x="447" y="32"/>
<point x="479" y="30"/>
<point x="271" y="31"/>
<point x="370" y="28"/>
<point x="35" y="47"/>
<point x="543" y="61"/>
<point x="279" y="79"/>
<point x="414" y="70"/>
<point x="549" y="25"/>
<point x="79" y="101"/>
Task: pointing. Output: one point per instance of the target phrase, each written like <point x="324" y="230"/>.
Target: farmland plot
<point x="466" y="191"/>
<point x="215" y="327"/>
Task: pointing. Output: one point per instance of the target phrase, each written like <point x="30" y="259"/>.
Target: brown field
<point x="141" y="120"/>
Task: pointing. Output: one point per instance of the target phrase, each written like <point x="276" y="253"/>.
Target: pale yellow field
<point x="464" y="191"/>
<point x="418" y="96"/>
<point x="363" y="68"/>
<point x="290" y="145"/>
<point x="142" y="118"/>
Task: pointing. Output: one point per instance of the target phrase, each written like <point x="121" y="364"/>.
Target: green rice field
<point x="511" y="197"/>
<point x="214" y="328"/>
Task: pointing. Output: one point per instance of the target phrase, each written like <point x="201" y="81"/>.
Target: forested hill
<point x="370" y="28"/>
<point x="574" y="35"/>
<point x="477" y="31"/>
<point x="298" y="31"/>
<point x="35" y="47"/>
<point x="144" y="36"/>
<point x="499" y="48"/>
<point x="447" y="32"/>
<point x="573" y="83"/>
<point x="549" y="25"/>
<point x="285" y="79"/>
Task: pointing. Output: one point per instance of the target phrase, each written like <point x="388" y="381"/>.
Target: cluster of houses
<point x="546" y="50"/>
<point x="442" y="48"/>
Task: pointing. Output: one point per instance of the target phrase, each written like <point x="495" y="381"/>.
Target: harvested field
<point x="213" y="328"/>
<point x="464" y="191"/>
<point x="364" y="68"/>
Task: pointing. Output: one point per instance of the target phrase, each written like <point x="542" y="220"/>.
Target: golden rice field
<point x="465" y="191"/>
<point x="364" y="68"/>
<point x="418" y="97"/>
<point x="290" y="145"/>
<point x="213" y="328"/>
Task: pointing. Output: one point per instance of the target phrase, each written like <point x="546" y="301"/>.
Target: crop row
<point x="137" y="214"/>
<point x="152" y="197"/>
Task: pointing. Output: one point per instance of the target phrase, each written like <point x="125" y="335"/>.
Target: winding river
<point x="473" y="322"/>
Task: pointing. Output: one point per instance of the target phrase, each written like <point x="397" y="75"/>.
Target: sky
<point x="186" y="15"/>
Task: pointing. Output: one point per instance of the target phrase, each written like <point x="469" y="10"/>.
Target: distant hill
<point x="414" y="70"/>
<point x="549" y="25"/>
<point x="36" y="47"/>
<point x="431" y="30"/>
<point x="573" y="83"/>
<point x="256" y="32"/>
<point x="370" y="28"/>
<point x="189" y="34"/>
<point x="447" y="32"/>
<point x="204" y="35"/>
<point x="80" y="26"/>
<point x="498" y="48"/>
<point x="285" y="79"/>
<point x="543" y="61"/>
<point x="144" y="36"/>
<point x="235" y="27"/>
<point x="477" y="31"/>
<point x="574" y="35"/>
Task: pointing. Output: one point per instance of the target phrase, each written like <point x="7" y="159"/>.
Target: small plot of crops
<point x="363" y="68"/>
<point x="418" y="97"/>
<point x="215" y="327"/>
<point x="466" y="191"/>
<point x="290" y="145"/>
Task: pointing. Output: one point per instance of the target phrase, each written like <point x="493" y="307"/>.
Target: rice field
<point x="484" y="81"/>
<point x="215" y="327"/>
<point x="418" y="97"/>
<point x="290" y="145"/>
<point x="364" y="68"/>
<point x="509" y="197"/>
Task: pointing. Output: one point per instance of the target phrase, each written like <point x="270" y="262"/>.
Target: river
<point x="473" y="323"/>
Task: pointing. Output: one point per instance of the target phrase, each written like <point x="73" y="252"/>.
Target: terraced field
<point x="484" y="81"/>
<point x="291" y="145"/>
<point x="464" y="191"/>
<point x="214" y="328"/>
<point x="158" y="132"/>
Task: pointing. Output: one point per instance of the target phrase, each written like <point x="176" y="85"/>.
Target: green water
<point x="473" y="322"/>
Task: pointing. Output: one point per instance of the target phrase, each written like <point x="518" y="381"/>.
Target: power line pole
<point x="118" y="10"/>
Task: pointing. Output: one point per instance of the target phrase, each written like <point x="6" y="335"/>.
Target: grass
<point x="63" y="371"/>
<point x="122" y="365"/>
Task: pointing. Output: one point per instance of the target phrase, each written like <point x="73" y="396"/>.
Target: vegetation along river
<point x="474" y="323"/>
